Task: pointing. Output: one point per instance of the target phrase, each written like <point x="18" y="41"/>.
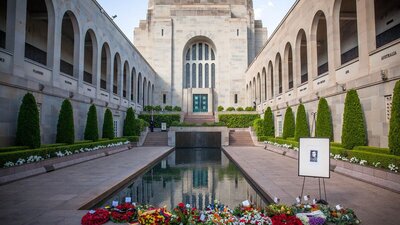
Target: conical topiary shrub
<point x="92" y="130"/>
<point x="28" y="127"/>
<point x="323" y="128"/>
<point x="65" y="126"/>
<point x="353" y="130"/>
<point x="108" y="129"/>
<point x="394" y="131"/>
<point x="288" y="124"/>
<point x="269" y="123"/>
<point x="129" y="123"/>
<point x="302" y="128"/>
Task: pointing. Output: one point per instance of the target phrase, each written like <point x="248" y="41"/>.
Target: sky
<point x="130" y="12"/>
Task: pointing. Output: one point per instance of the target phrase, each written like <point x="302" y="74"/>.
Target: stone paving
<point x="53" y="198"/>
<point x="277" y="175"/>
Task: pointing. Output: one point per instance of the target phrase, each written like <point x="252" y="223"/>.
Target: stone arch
<point x="133" y="84"/>
<point x="258" y="89"/>
<point x="125" y="77"/>
<point x="264" y="85"/>
<point x="278" y="66"/>
<point x="288" y="61"/>
<point x="320" y="43"/>
<point x="116" y="73"/>
<point x="144" y="93"/>
<point x="105" y="67"/>
<point x="70" y="37"/>
<point x="271" y="79"/>
<point x="386" y="11"/>
<point x="139" y="88"/>
<point x="302" y="60"/>
<point x="89" y="56"/>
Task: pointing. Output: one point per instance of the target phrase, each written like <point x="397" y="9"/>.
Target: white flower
<point x="354" y="160"/>
<point x="337" y="156"/>
<point x="376" y="164"/>
<point x="8" y="164"/>
<point x="20" y="161"/>
<point x="393" y="167"/>
<point x="363" y="162"/>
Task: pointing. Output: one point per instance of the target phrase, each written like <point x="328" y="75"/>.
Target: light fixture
<point x="115" y="16"/>
<point x="71" y="94"/>
<point x="384" y="75"/>
<point x="41" y="87"/>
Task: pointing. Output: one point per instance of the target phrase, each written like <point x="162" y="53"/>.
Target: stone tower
<point x="201" y="50"/>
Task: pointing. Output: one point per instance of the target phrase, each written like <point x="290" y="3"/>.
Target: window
<point x="237" y="32"/>
<point x="236" y="98"/>
<point x="164" y="99"/>
<point x="162" y="32"/>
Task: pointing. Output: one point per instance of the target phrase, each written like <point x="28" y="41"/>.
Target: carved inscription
<point x="320" y="82"/>
<point x="116" y="99"/>
<point x="347" y="72"/>
<point x="90" y="90"/>
<point x="303" y="89"/>
<point x="388" y="55"/>
<point x="38" y="72"/>
<point x="68" y="82"/>
<point x="105" y="95"/>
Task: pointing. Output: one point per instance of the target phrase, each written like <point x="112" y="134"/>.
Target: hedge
<point x="394" y="130"/>
<point x="178" y="124"/>
<point x="91" y="129"/>
<point x="279" y="141"/>
<point x="288" y="124"/>
<point x="353" y="130"/>
<point x="220" y="108"/>
<point x="373" y="149"/>
<point x="14" y="156"/>
<point x="269" y="122"/>
<point x="13" y="148"/>
<point x="259" y="127"/>
<point x="302" y="129"/>
<point x="161" y="118"/>
<point x="129" y="123"/>
<point x="323" y="127"/>
<point x="132" y="138"/>
<point x="384" y="159"/>
<point x="108" y="126"/>
<point x="28" y="127"/>
<point x="238" y="120"/>
<point x="65" y="125"/>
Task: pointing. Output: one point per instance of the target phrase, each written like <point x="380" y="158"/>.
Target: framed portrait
<point x="314" y="157"/>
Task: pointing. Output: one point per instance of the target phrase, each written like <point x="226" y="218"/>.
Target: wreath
<point x="96" y="217"/>
<point x="124" y="213"/>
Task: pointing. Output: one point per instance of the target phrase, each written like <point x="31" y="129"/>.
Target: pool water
<point x="192" y="176"/>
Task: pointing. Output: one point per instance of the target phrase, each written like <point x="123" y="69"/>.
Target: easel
<point x="319" y="188"/>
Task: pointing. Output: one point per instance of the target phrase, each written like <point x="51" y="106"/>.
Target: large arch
<point x="116" y="73"/>
<point x="301" y="49"/>
<point x="69" y="45"/>
<point x="278" y="65"/>
<point x="258" y="88"/>
<point x="271" y="79"/>
<point x="89" y="57"/>
<point x="320" y="45"/>
<point x="139" y="89"/>
<point x="148" y="102"/>
<point x="387" y="27"/>
<point x="105" y="68"/>
<point x="289" y="66"/>
<point x="125" y="80"/>
<point x="251" y="93"/>
<point x="144" y="93"/>
<point x="133" y="85"/>
<point x="264" y="85"/>
<point x="3" y="23"/>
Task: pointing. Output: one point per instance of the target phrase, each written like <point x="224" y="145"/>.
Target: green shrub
<point x="148" y="108"/>
<point x="91" y="129"/>
<point x="323" y="127"/>
<point x="238" y="120"/>
<point x="157" y="108"/>
<point x="65" y="126"/>
<point x="132" y="138"/>
<point x="108" y="128"/>
<point x="371" y="157"/>
<point x="336" y="144"/>
<point x="28" y="127"/>
<point x="269" y="123"/>
<point x="249" y="109"/>
<point x="177" y="109"/>
<point x="168" y="108"/>
<point x="239" y="109"/>
<point x="288" y="124"/>
<point x="220" y="108"/>
<point x="230" y="109"/>
<point x="394" y="130"/>
<point x="373" y="149"/>
<point x="44" y="152"/>
<point x="259" y="127"/>
<point x="353" y="130"/>
<point x="129" y="123"/>
<point x="142" y="125"/>
<point x="13" y="149"/>
<point x="279" y="141"/>
<point x="302" y="129"/>
<point x="338" y="150"/>
<point x="161" y="118"/>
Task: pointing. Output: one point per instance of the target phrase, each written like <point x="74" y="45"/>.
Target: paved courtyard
<point x="277" y="175"/>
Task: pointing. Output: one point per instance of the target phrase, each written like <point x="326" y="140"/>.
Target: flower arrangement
<point x="185" y="214"/>
<point x="123" y="213"/>
<point x="219" y="214"/>
<point x="154" y="216"/>
<point x="96" y="217"/>
<point x="282" y="219"/>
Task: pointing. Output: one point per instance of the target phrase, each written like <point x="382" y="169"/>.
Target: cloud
<point x="270" y="4"/>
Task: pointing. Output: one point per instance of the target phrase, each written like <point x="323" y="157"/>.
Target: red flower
<point x="98" y="217"/>
<point x="283" y="219"/>
<point x="181" y="205"/>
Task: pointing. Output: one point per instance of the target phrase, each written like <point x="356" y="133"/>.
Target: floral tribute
<point x="124" y="213"/>
<point x="219" y="214"/>
<point x="96" y="217"/>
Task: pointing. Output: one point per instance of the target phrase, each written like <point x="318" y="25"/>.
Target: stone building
<point x="324" y="48"/>
<point x="73" y="50"/>
<point x="200" y="50"/>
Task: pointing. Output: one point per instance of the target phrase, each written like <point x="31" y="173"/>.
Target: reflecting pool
<point x="194" y="176"/>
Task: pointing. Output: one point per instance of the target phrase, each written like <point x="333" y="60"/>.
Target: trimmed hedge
<point x="14" y="156"/>
<point x="269" y="123"/>
<point x="129" y="123"/>
<point x="238" y="120"/>
<point x="373" y="149"/>
<point x="239" y="109"/>
<point x="353" y="130"/>
<point x="91" y="129"/>
<point x="230" y="109"/>
<point x="336" y="144"/>
<point x="371" y="157"/>
<point x="249" y="109"/>
<point x="324" y="126"/>
<point x="13" y="148"/>
<point x="288" y="124"/>
<point x="177" y="124"/>
<point x="28" y="127"/>
<point x="302" y="129"/>
<point x="161" y="118"/>
<point x="220" y="108"/>
<point x="394" y="130"/>
<point x="132" y="138"/>
<point x="259" y="127"/>
<point x="65" y="126"/>
<point x="108" y="127"/>
<point x="279" y="141"/>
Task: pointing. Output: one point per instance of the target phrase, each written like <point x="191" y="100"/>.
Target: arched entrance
<point x="199" y="74"/>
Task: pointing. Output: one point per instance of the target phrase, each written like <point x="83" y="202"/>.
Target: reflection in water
<point x="194" y="176"/>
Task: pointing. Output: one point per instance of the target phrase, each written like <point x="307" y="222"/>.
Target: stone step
<point x="241" y="138"/>
<point x="156" y="139"/>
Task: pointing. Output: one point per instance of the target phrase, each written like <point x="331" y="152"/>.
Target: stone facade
<point x="324" y="48"/>
<point x="73" y="50"/>
<point x="171" y="30"/>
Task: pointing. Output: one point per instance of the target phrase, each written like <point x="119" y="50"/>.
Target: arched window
<point x="89" y="60"/>
<point x="116" y="73"/>
<point x="271" y="78"/>
<point x="387" y="23"/>
<point x="258" y="88"/>
<point x="322" y="43"/>
<point x="139" y="90"/>
<point x="148" y="93"/>
<point x="280" y="81"/>
<point x="36" y="31"/>
<point x="3" y="23"/>
<point x="69" y="44"/>
<point x="348" y="31"/>
<point x="302" y="46"/>
<point x="254" y="90"/>
<point x="133" y="83"/>
<point x="144" y="93"/>
<point x="105" y="66"/>
<point x="197" y="66"/>
<point x="264" y="85"/>
<point x="289" y="65"/>
<point x="125" y="80"/>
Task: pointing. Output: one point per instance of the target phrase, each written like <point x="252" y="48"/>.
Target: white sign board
<point x="314" y="157"/>
<point x="163" y="126"/>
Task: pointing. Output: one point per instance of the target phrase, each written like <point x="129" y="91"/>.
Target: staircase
<point x="240" y="138"/>
<point x="156" y="139"/>
<point x="199" y="118"/>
